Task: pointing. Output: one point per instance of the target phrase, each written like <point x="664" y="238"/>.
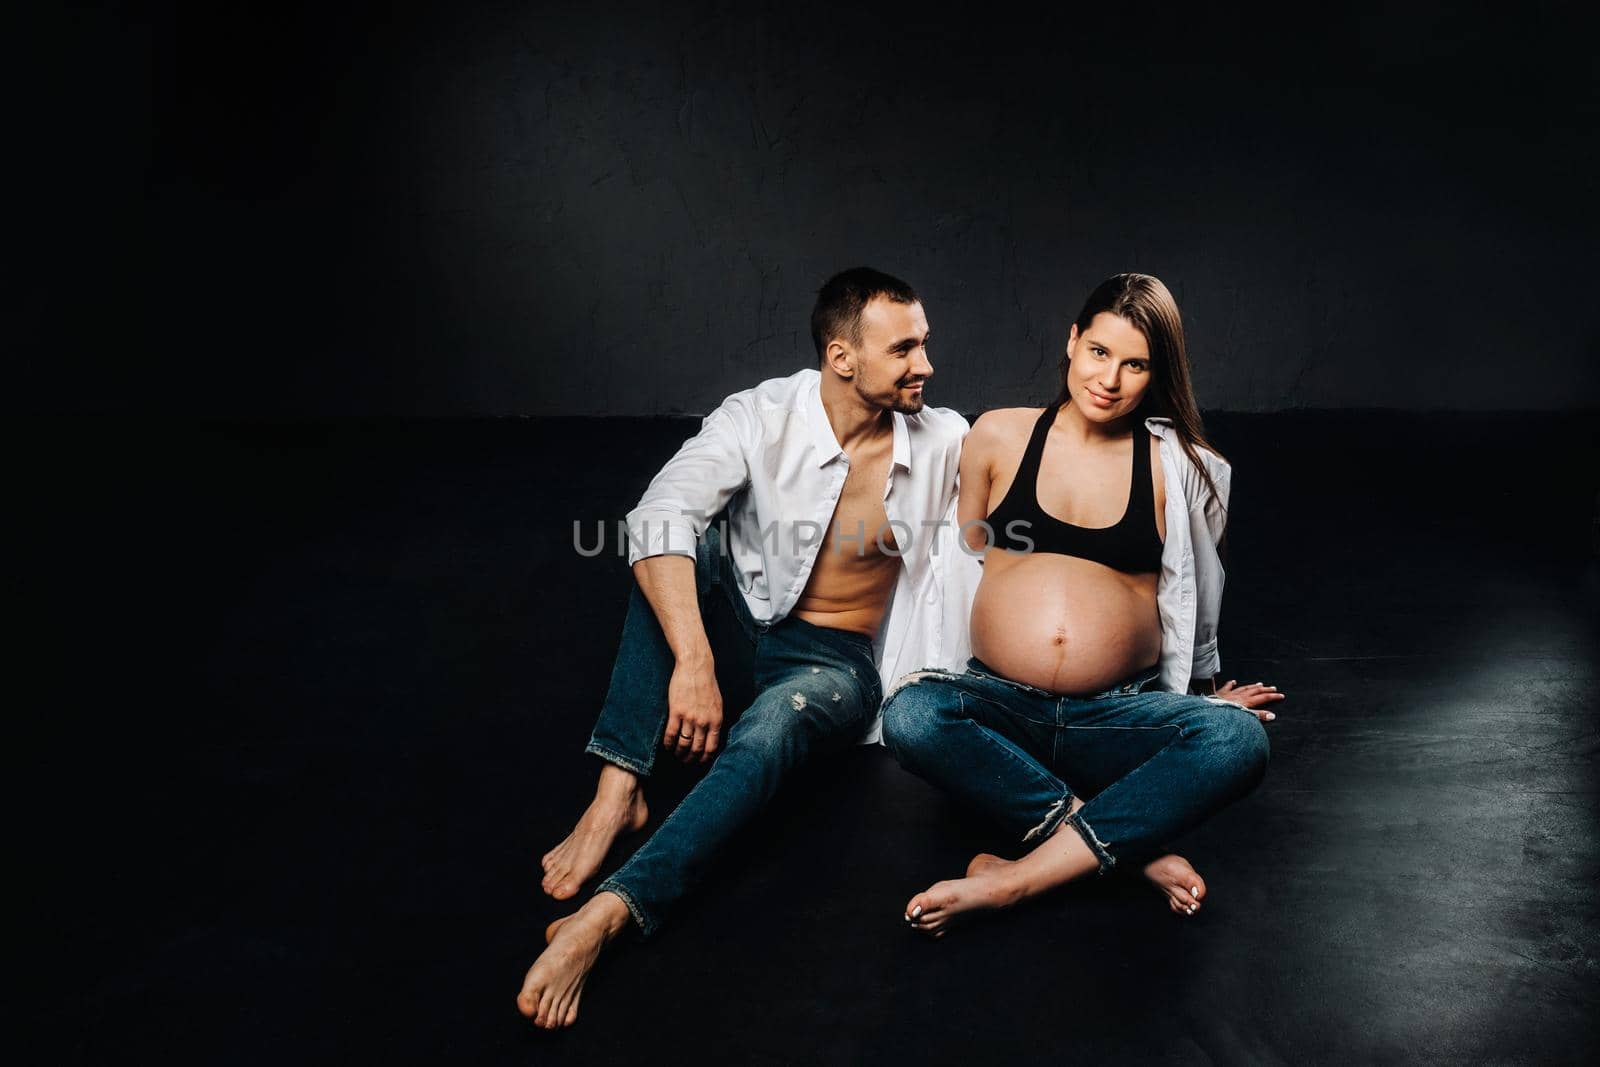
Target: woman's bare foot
<point x="618" y="806"/>
<point x="992" y="882"/>
<point x="985" y="861"/>
<point x="986" y="887"/>
<point x="1178" y="881"/>
<point x="554" y="983"/>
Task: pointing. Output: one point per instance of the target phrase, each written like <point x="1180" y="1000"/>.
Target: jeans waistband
<point x="861" y="641"/>
<point x="1134" y="683"/>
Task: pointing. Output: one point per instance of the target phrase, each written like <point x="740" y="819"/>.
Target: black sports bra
<point x="1132" y="546"/>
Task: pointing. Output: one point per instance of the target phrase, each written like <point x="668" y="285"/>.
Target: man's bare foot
<point x="1178" y="881"/>
<point x="986" y="887"/>
<point x="618" y="806"/>
<point x="554" y="983"/>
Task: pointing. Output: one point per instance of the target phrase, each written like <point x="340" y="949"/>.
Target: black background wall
<point x="311" y="690"/>
<point x="601" y="209"/>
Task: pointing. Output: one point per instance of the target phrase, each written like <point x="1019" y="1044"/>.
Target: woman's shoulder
<point x="1163" y="430"/>
<point x="1000" y="428"/>
<point x="1193" y="475"/>
<point x="1007" y="420"/>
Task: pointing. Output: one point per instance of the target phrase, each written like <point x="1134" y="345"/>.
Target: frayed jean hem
<point x="626" y="763"/>
<point x="1107" y="860"/>
<point x="1052" y="819"/>
<point x="643" y="921"/>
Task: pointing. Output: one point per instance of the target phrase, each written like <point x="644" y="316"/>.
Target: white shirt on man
<point x="769" y="455"/>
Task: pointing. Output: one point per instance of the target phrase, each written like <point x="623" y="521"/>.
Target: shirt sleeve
<point x="1216" y="507"/>
<point x="695" y="484"/>
<point x="1208" y="518"/>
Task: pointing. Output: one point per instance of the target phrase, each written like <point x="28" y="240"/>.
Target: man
<point x="840" y="487"/>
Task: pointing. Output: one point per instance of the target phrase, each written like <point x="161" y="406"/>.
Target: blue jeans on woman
<point x="1149" y="765"/>
<point x="818" y="689"/>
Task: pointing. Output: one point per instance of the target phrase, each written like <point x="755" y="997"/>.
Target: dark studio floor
<point x="312" y="697"/>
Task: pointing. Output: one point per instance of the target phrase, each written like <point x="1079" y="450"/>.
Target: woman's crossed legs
<point x="1092" y="782"/>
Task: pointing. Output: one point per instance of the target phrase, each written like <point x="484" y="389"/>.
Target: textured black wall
<point x="579" y="208"/>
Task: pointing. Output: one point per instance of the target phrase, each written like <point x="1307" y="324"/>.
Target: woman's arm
<point x="977" y="454"/>
<point x="1207" y="521"/>
<point x="1211" y="530"/>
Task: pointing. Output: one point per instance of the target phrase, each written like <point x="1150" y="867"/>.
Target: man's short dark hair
<point x="844" y="296"/>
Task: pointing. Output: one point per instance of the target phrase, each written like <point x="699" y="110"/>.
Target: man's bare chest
<point x="861" y="507"/>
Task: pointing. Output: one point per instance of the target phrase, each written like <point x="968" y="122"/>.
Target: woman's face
<point x="1108" y="371"/>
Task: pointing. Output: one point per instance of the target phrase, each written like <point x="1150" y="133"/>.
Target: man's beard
<point x="908" y="406"/>
<point x="896" y="401"/>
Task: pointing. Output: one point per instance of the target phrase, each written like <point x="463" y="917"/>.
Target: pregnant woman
<point x="1089" y="722"/>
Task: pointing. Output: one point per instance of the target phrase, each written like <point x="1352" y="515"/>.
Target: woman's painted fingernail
<point x="1194" y="891"/>
<point x="916" y="911"/>
<point x="1271" y="716"/>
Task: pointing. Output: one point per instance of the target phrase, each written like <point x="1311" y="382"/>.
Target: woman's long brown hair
<point x="1148" y="306"/>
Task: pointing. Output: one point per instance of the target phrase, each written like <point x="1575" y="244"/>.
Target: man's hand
<point x="694" y="703"/>
<point x="694" y="712"/>
<point x="1253" y="698"/>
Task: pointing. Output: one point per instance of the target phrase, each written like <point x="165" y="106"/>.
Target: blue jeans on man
<point x="817" y="690"/>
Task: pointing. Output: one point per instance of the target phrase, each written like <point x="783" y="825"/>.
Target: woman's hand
<point x="1253" y="698"/>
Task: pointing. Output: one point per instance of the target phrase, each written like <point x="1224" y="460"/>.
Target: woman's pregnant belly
<point x="1062" y="623"/>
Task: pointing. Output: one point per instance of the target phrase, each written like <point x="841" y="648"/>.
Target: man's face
<point x="891" y="362"/>
<point x="1109" y="372"/>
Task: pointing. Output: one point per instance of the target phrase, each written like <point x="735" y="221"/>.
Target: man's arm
<point x="695" y="484"/>
<point x="694" y="702"/>
<point x="663" y="535"/>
